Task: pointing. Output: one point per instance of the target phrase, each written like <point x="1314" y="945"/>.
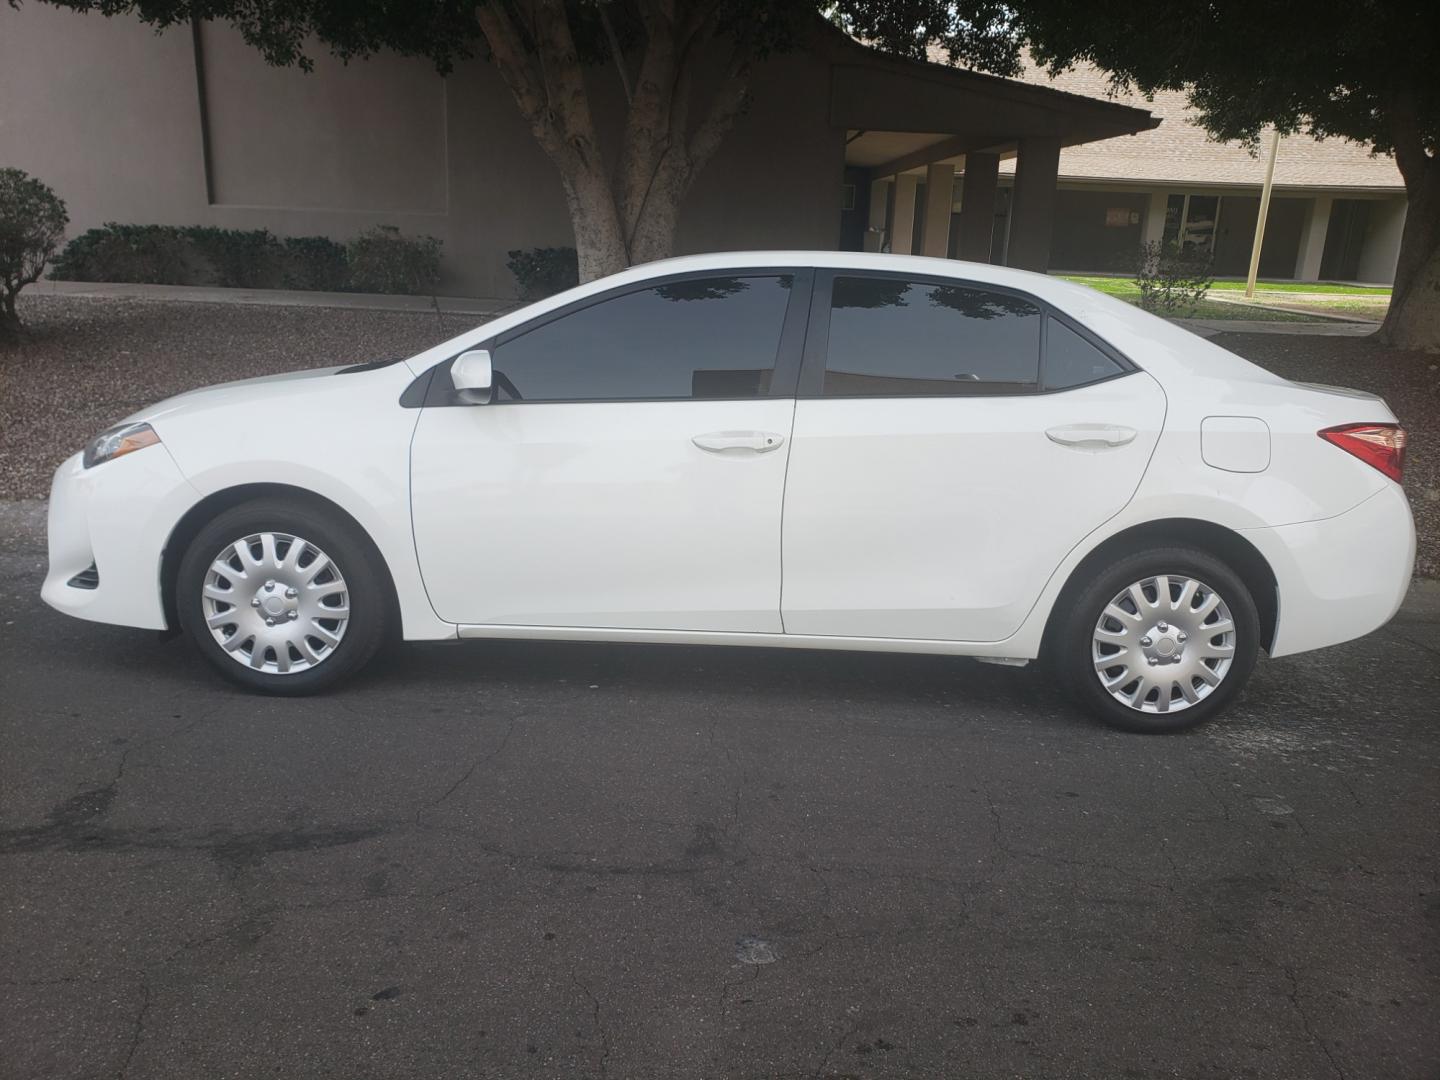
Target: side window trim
<point x="817" y="340"/>
<point x="1126" y="365"/>
<point x="440" y="391"/>
<point x="817" y="337"/>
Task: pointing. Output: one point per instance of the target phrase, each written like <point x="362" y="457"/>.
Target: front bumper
<point x="117" y="518"/>
<point x="1341" y="577"/>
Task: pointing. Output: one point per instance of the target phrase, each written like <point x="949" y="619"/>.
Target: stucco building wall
<point x="112" y="115"/>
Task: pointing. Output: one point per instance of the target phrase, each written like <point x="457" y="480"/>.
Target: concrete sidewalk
<point x="1211" y="327"/>
<point x="100" y="290"/>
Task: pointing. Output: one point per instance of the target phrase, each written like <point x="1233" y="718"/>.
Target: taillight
<point x="1380" y="445"/>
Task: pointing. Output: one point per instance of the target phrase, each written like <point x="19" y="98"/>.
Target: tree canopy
<point x="1367" y="71"/>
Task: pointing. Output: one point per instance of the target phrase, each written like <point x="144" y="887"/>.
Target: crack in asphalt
<point x="475" y="765"/>
<point x="139" y="1033"/>
<point x="68" y="825"/>
<point x="599" y="1024"/>
<point x="839" y="1044"/>
<point x="1309" y="1028"/>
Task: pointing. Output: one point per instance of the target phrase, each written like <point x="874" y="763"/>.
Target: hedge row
<point x="379" y="260"/>
<point x="542" y="272"/>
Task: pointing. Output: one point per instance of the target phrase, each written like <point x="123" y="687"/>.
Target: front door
<point x="951" y="444"/>
<point x="629" y="471"/>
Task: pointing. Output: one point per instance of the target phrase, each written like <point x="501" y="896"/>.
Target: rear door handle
<point x="757" y="442"/>
<point x="1091" y="436"/>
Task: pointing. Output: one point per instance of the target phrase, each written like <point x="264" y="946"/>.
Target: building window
<point x="1174" y="215"/>
<point x="1190" y="222"/>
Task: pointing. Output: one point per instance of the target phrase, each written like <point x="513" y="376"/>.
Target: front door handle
<point x="757" y="442"/>
<point x="1091" y="436"/>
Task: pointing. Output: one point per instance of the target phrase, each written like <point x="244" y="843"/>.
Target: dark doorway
<point x="854" y="208"/>
<point x="1344" y="240"/>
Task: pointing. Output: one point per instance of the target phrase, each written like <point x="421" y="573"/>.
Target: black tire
<point x="366" y="587"/>
<point x="1072" y="644"/>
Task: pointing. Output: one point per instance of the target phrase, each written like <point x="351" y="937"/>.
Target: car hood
<point x="229" y="393"/>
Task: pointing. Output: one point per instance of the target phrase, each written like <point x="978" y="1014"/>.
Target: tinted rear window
<point x="891" y="337"/>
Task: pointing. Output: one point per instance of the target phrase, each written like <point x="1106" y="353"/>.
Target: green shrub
<point x="542" y="272"/>
<point x="1170" y="279"/>
<point x="315" y="262"/>
<point x="239" y="258"/>
<point x="378" y="260"/>
<point x="383" y="261"/>
<point x="170" y="255"/>
<point x="32" y="221"/>
<point x="148" y="254"/>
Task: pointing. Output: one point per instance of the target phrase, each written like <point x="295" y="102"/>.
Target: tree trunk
<point x="9" y="318"/>
<point x="599" y="241"/>
<point x="1413" y="321"/>
<point x="627" y="214"/>
<point x="653" y="236"/>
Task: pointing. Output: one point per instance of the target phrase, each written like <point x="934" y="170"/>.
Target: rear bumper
<point x="1342" y="577"/>
<point x="116" y="517"/>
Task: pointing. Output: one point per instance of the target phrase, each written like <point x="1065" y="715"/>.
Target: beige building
<point x="1336" y="214"/>
<point x="190" y="126"/>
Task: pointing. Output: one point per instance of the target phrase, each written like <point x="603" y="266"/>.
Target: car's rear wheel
<point x="1159" y="640"/>
<point x="282" y="597"/>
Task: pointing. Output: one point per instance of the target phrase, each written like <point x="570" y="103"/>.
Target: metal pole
<point x="1264" y="213"/>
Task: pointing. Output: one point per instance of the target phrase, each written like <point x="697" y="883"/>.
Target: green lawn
<point x="1303" y="287"/>
<point x="1125" y="289"/>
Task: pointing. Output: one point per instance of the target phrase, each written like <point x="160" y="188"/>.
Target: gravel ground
<point x="83" y="364"/>
<point x="86" y="363"/>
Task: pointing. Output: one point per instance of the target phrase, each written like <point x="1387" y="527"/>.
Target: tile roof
<point x="1179" y="150"/>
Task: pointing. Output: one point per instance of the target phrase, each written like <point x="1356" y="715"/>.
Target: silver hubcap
<point x="275" y="603"/>
<point x="1163" y="644"/>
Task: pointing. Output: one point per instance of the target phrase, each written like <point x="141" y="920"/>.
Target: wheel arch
<point x="1225" y="544"/>
<point x="217" y="502"/>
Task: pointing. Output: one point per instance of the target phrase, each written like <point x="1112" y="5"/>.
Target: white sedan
<point x="797" y="449"/>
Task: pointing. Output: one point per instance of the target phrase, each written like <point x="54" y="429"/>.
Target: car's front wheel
<point x="1159" y="640"/>
<point x="282" y="597"/>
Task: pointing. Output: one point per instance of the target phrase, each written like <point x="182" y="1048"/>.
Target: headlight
<point x="117" y="442"/>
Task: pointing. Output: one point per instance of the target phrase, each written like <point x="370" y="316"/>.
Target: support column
<point x="977" y="207"/>
<point x="1312" y="239"/>
<point x="939" y="204"/>
<point x="875" y="218"/>
<point x="1155" y="218"/>
<point x="902" y="215"/>
<point x="1033" y="211"/>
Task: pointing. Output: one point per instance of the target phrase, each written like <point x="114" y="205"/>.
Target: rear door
<point x="630" y="470"/>
<point x="952" y="442"/>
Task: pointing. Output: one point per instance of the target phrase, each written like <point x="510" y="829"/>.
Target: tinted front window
<point x="903" y="338"/>
<point x="711" y="338"/>
<point x="1071" y="360"/>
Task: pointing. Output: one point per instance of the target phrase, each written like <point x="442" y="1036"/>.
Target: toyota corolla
<point x="797" y="449"/>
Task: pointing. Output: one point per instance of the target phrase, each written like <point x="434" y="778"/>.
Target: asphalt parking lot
<point x="562" y="860"/>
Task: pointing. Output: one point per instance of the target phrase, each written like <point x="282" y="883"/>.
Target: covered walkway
<point x="923" y="150"/>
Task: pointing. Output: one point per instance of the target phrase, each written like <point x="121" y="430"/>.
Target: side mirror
<point x="473" y="377"/>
